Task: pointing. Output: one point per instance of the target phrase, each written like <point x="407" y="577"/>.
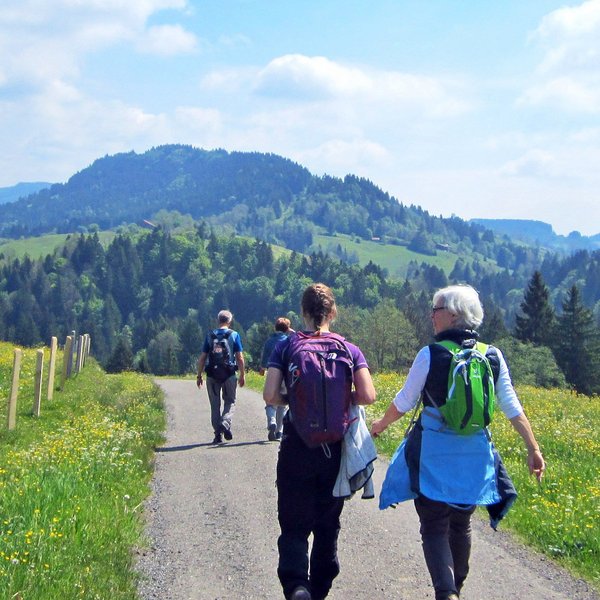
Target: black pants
<point x="305" y="504"/>
<point x="446" y="537"/>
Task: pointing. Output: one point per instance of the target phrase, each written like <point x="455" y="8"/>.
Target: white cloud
<point x="341" y="157"/>
<point x="572" y="21"/>
<point x="167" y="40"/>
<point x="567" y="93"/>
<point x="41" y="40"/>
<point x="567" y="76"/>
<point x="305" y="77"/>
<point x="586" y="135"/>
<point x="534" y="163"/>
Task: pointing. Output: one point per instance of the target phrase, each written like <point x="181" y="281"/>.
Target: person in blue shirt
<point x="275" y="414"/>
<point x="224" y="381"/>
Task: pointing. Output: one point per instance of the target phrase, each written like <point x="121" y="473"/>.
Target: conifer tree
<point x="122" y="357"/>
<point x="577" y="348"/>
<point x="536" y="324"/>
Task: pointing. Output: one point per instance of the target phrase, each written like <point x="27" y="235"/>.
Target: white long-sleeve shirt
<point x="407" y="397"/>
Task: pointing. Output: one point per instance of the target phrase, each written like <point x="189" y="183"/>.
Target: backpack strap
<point x="219" y="334"/>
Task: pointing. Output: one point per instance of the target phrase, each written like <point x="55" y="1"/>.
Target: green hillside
<point x="39" y="247"/>
<point x="393" y="258"/>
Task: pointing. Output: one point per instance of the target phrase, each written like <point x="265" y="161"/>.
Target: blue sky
<point x="479" y="109"/>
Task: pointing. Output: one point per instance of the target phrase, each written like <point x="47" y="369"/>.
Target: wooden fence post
<point x="88" y="345"/>
<point x="14" y="390"/>
<point x="66" y="358"/>
<point x="52" y="367"/>
<point x="79" y="363"/>
<point x="39" y="372"/>
<point x="73" y="351"/>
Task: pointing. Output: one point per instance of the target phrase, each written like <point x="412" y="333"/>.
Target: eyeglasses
<point x="434" y="309"/>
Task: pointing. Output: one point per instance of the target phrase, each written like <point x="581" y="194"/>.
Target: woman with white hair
<point x="448" y="474"/>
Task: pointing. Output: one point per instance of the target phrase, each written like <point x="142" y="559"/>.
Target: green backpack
<point x="469" y="403"/>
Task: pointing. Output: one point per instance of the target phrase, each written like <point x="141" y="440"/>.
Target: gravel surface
<point x="212" y="525"/>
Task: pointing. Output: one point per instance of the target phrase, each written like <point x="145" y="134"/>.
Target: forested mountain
<point x="21" y="190"/>
<point x="275" y="200"/>
<point x="260" y="195"/>
<point x="154" y="293"/>
<point x="540" y="233"/>
<point x="263" y="196"/>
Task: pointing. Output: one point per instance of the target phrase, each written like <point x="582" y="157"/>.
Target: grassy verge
<point x="560" y="517"/>
<point x="71" y="486"/>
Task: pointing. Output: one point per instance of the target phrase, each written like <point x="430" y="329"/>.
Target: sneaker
<point x="218" y="439"/>
<point x="226" y="429"/>
<point x="278" y="436"/>
<point x="272" y="432"/>
<point x="301" y="593"/>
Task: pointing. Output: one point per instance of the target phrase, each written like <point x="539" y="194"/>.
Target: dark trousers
<point x="446" y="537"/>
<point x="305" y="504"/>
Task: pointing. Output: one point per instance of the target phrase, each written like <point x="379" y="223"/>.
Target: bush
<point x="531" y="365"/>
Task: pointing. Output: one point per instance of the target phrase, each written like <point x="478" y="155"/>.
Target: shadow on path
<point x="210" y="445"/>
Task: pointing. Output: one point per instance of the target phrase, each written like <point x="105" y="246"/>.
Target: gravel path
<point x="213" y="525"/>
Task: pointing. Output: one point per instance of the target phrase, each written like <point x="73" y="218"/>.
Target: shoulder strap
<point x="220" y="334"/>
<point x="483" y="348"/>
<point x="450" y="345"/>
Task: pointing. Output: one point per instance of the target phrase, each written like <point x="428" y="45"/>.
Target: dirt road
<point x="213" y="525"/>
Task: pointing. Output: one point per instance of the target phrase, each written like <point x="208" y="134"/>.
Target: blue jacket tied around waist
<point x="437" y="463"/>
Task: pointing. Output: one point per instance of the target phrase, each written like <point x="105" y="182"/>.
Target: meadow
<point x="559" y="517"/>
<point x="72" y="483"/>
<point x="394" y="259"/>
<point x="41" y="246"/>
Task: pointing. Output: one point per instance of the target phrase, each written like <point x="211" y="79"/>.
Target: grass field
<point x="72" y="483"/>
<point x="560" y="517"/>
<point x="39" y="247"/>
<point x="394" y="259"/>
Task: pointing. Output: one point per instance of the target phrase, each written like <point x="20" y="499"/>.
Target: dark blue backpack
<point x="220" y="365"/>
<point x="319" y="381"/>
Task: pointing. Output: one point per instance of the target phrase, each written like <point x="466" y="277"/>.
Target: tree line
<point x="147" y="299"/>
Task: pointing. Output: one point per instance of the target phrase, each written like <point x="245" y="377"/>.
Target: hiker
<point x="222" y="354"/>
<point x="447" y="472"/>
<point x="306" y="474"/>
<point x="275" y="414"/>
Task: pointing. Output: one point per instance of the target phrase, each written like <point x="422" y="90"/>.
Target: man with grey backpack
<point x="222" y="355"/>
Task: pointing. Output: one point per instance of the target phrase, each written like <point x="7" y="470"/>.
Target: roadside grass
<point x="561" y="516"/>
<point x="72" y="483"/>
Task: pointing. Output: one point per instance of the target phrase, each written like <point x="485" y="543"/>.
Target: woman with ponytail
<point x="306" y="475"/>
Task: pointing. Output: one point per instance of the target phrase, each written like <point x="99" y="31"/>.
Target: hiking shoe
<point x="301" y="593"/>
<point x="218" y="439"/>
<point x="278" y="436"/>
<point x="226" y="429"/>
<point x="272" y="432"/>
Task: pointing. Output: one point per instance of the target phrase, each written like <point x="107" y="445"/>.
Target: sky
<point x="476" y="109"/>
